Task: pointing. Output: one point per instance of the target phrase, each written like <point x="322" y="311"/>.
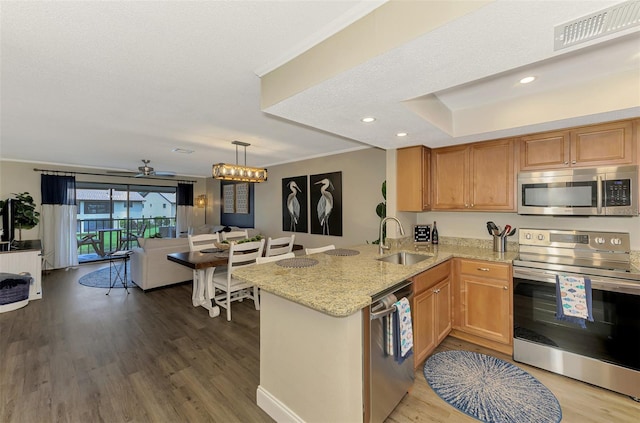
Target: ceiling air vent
<point x="607" y="21"/>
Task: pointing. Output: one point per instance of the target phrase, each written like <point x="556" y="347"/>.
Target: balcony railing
<point x="115" y="232"/>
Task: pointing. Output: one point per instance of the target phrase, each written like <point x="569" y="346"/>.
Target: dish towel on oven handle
<point x="403" y="331"/>
<point x="573" y="299"/>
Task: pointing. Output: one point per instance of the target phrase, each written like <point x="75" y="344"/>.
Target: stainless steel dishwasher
<point x="390" y="380"/>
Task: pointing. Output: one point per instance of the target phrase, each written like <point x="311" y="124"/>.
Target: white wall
<point x="18" y="177"/>
<point x="363" y="172"/>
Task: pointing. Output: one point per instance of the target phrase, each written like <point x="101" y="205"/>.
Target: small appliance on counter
<point x="421" y="233"/>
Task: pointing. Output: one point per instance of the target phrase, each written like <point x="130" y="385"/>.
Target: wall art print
<point x="326" y="203"/>
<point x="242" y="198"/>
<point x="295" y="194"/>
<point x="228" y="199"/>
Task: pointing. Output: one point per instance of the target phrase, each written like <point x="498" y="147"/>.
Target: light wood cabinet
<point x="596" y="145"/>
<point x="413" y="184"/>
<point x="484" y="301"/>
<point x="474" y="177"/>
<point x="431" y="310"/>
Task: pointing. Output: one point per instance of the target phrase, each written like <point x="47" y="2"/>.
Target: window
<point x="103" y="206"/>
<point x="96" y="207"/>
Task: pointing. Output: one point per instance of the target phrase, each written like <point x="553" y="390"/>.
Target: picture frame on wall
<point x="326" y="203"/>
<point x="228" y="199"/>
<point x="242" y="198"/>
<point x="295" y="199"/>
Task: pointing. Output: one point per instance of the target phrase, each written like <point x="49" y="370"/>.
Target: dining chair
<point x="233" y="289"/>
<point x="202" y="241"/>
<point x="199" y="243"/>
<point x="262" y="260"/>
<point x="235" y="235"/>
<point x="279" y="246"/>
<point x="319" y="249"/>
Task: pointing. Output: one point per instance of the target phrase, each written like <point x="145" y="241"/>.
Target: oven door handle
<point x="597" y="282"/>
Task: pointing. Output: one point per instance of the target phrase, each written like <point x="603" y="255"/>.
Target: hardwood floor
<point x="78" y="355"/>
<point x="580" y="402"/>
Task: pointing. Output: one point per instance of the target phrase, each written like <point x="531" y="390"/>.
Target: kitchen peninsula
<point x="312" y="349"/>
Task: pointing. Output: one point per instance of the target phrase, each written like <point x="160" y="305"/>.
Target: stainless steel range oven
<point x="607" y="352"/>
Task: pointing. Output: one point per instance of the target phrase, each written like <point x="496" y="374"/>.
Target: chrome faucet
<point x="382" y="246"/>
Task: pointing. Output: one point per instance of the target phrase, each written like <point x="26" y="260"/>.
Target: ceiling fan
<point x="146" y="170"/>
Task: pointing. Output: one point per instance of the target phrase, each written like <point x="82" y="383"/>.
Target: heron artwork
<point x="293" y="205"/>
<point x="325" y="204"/>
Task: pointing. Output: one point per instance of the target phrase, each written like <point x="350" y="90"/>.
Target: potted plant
<point x="25" y="215"/>
<point x="381" y="211"/>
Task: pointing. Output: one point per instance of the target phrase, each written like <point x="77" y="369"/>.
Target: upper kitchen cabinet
<point x="413" y="178"/>
<point x="474" y="177"/>
<point x="596" y="145"/>
<point x="545" y="151"/>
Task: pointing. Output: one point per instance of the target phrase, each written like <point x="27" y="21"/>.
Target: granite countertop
<point x="342" y="285"/>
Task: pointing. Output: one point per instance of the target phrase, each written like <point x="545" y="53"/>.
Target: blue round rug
<point x="490" y="389"/>
<point x="100" y="279"/>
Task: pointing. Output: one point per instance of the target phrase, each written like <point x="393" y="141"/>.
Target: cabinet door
<point x="450" y="178"/>
<point x="545" y="151"/>
<point x="424" y="315"/>
<point x="486" y="308"/>
<point x="426" y="178"/>
<point x="492" y="176"/>
<point x="608" y="144"/>
<point x="413" y="178"/>
<point x="443" y="310"/>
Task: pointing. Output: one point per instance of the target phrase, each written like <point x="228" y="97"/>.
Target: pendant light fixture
<point x="236" y="172"/>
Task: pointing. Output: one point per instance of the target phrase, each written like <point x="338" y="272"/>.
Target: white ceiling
<point x="106" y="84"/>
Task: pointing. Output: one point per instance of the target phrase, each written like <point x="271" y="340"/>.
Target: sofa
<point x="150" y="267"/>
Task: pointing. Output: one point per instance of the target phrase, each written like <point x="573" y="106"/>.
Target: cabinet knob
<point x="566" y="163"/>
<point x="505" y="288"/>
<point x="466" y="205"/>
<point x="436" y="291"/>
<point x="471" y="204"/>
<point x="573" y="161"/>
<point x="483" y="269"/>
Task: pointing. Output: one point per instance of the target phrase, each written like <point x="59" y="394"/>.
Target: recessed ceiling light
<point x="368" y="119"/>
<point x="527" y="79"/>
<point x="401" y="134"/>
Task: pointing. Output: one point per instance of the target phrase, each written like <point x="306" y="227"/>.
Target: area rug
<point x="100" y="279"/>
<point x="489" y="389"/>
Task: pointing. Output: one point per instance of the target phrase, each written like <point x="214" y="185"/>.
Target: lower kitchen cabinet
<point x="431" y="310"/>
<point x="483" y="306"/>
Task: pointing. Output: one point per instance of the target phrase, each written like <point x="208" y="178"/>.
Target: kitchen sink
<point x="405" y="258"/>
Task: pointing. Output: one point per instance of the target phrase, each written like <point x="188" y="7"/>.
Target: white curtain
<point x="184" y="219"/>
<point x="184" y="208"/>
<point x="59" y="218"/>
<point x="58" y="228"/>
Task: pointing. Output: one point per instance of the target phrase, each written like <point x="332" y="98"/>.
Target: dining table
<point x="205" y="262"/>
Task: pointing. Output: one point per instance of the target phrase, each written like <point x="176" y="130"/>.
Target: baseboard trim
<point x="274" y="408"/>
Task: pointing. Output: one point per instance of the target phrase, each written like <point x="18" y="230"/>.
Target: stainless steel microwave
<point x="610" y="191"/>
